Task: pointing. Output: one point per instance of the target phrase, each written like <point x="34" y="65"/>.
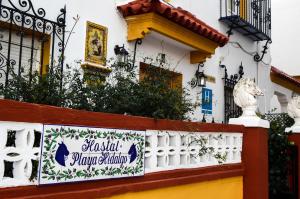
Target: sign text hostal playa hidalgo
<point x="71" y="154"/>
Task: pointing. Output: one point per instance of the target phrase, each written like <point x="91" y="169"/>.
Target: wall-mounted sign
<point x="71" y="154"/>
<point x="207" y="101"/>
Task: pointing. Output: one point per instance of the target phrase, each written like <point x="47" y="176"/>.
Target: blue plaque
<point x="207" y="101"/>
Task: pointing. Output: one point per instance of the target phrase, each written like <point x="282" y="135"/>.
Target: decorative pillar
<point x="293" y="109"/>
<point x="255" y="160"/>
<point x="255" y="142"/>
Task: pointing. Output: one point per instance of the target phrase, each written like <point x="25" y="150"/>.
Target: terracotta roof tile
<point x="177" y="15"/>
<point x="286" y="76"/>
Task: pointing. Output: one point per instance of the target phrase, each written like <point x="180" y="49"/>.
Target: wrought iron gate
<point x="231" y="109"/>
<point x="29" y="42"/>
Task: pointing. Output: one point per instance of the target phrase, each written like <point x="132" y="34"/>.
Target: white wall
<point x="104" y="12"/>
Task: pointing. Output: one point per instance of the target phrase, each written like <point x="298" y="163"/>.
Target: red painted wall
<point x="254" y="157"/>
<point x="296" y="139"/>
<point x="26" y="112"/>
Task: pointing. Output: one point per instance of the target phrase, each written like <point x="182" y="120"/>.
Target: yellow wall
<point x="229" y="188"/>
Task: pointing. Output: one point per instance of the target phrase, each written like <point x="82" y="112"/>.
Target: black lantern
<point x="122" y="53"/>
<point x="200" y="78"/>
<point x="122" y="57"/>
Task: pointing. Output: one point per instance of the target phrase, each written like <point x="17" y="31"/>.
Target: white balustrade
<point x="20" y="155"/>
<point x="165" y="150"/>
<point x="168" y="150"/>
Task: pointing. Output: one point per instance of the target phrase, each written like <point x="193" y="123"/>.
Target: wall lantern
<point x="121" y="53"/>
<point x="122" y="57"/>
<point x="200" y="78"/>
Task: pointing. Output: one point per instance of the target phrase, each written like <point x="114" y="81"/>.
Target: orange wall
<point x="228" y="188"/>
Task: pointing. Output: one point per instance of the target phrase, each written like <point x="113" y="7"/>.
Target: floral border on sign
<point x="50" y="143"/>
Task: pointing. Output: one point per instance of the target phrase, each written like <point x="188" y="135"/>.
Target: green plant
<point x="41" y="89"/>
<point x="202" y="142"/>
<point x="279" y="158"/>
<point x="122" y="93"/>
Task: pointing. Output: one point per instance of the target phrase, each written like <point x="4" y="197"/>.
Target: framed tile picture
<point x="96" y="44"/>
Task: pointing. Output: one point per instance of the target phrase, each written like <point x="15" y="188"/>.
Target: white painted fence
<point x="21" y="155"/>
<point x="165" y="150"/>
<point x="168" y="150"/>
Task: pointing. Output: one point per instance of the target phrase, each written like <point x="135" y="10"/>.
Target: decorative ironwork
<point x="137" y="42"/>
<point x="268" y="18"/>
<point x="203" y="119"/>
<point x="231" y="109"/>
<point x="258" y="57"/>
<point x="3" y="62"/>
<point x="230" y="31"/>
<point x="200" y="77"/>
<point x="28" y="31"/>
<point x="255" y="6"/>
<point x="250" y="17"/>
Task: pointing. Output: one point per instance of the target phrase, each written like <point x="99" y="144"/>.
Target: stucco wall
<point x="230" y="188"/>
<point x="104" y="12"/>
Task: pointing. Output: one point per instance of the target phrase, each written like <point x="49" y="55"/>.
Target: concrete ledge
<point x="250" y="121"/>
<point x="294" y="129"/>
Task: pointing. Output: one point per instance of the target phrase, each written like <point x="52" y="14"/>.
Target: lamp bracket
<point x="137" y="42"/>
<point x="259" y="58"/>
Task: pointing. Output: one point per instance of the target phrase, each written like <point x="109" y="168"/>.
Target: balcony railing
<point x="252" y="18"/>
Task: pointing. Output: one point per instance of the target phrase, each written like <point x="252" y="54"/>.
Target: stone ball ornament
<point x="293" y="110"/>
<point x="245" y="93"/>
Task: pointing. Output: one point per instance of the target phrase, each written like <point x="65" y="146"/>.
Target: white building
<point x="163" y="32"/>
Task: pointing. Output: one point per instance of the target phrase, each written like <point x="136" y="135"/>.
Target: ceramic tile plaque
<point x="72" y="154"/>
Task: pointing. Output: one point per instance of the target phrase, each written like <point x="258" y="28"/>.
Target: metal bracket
<point x="258" y="57"/>
<point x="137" y="42"/>
<point x="230" y="32"/>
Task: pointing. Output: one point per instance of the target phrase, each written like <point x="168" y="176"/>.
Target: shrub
<point x="279" y="156"/>
<point x="122" y="93"/>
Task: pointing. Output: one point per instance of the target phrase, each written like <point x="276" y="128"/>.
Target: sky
<point x="285" y="49"/>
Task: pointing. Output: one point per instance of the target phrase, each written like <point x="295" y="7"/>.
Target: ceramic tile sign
<point x="207" y="101"/>
<point x="72" y="154"/>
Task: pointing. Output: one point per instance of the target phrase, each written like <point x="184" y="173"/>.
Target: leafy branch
<point x="205" y="149"/>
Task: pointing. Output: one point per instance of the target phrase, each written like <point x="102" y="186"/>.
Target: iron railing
<point x="231" y="109"/>
<point x="29" y="42"/>
<point x="250" y="17"/>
